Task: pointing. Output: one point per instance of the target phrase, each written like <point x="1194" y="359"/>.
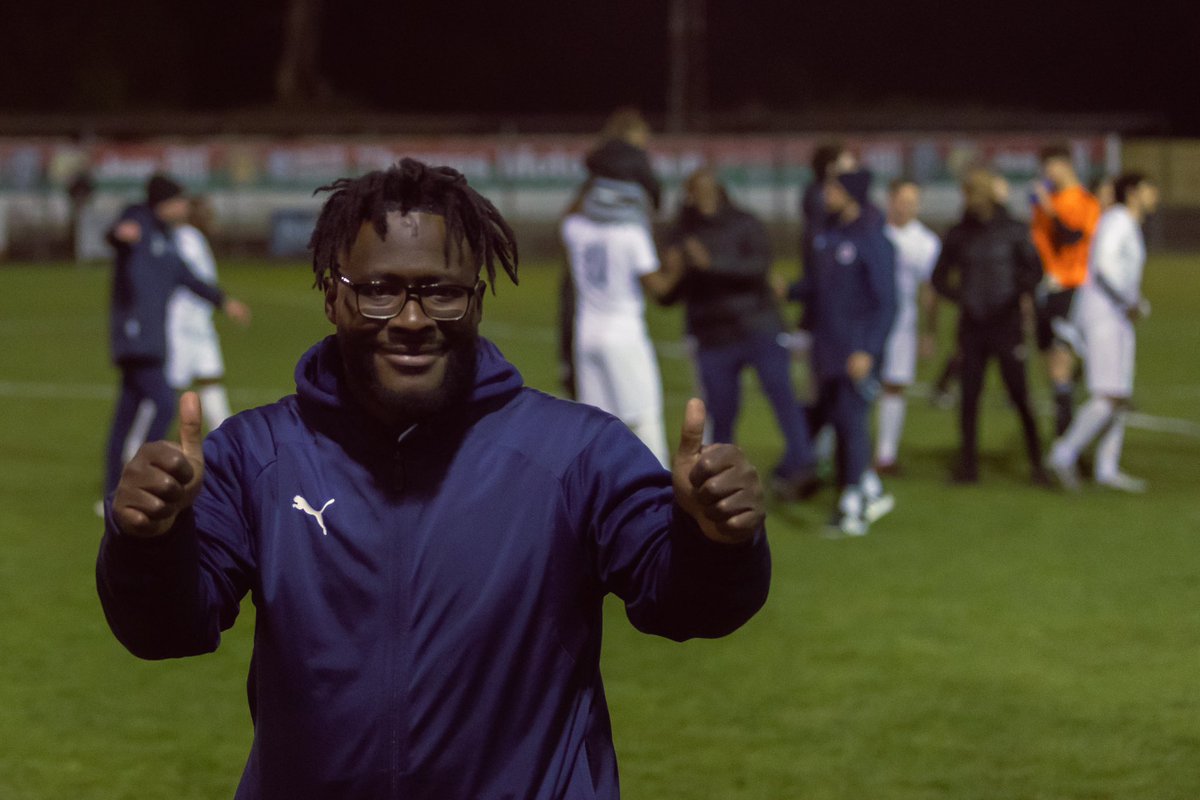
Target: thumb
<point x="691" y="436"/>
<point x="191" y="437"/>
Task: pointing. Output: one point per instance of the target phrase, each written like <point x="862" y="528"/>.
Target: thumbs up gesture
<point x="715" y="484"/>
<point x="163" y="478"/>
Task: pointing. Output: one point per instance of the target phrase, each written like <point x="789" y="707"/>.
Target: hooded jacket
<point x="849" y="293"/>
<point x="428" y="606"/>
<point x="145" y="275"/>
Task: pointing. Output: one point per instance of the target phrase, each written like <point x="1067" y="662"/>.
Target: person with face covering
<point x="849" y="296"/>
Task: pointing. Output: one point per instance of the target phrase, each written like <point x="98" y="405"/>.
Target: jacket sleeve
<point x="1076" y="217"/>
<point x="674" y="581"/>
<point x="186" y="277"/>
<point x="1028" y="262"/>
<point x="881" y="283"/>
<point x="945" y="279"/>
<point x="172" y="595"/>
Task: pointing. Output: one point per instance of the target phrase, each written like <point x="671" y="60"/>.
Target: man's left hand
<point x="715" y="484"/>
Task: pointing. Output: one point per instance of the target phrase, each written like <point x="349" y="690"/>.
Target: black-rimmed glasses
<point x="441" y="302"/>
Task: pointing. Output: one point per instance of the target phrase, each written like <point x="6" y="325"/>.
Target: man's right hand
<point x="163" y="479"/>
<point x="237" y="311"/>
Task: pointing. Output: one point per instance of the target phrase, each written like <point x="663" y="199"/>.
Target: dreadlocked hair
<point x="411" y="185"/>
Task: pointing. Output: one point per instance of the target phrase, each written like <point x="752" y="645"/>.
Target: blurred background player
<point x="1064" y="221"/>
<point x="1106" y="308"/>
<point x="917" y="249"/>
<point x="986" y="265"/>
<point x="612" y="259"/>
<point x="193" y="349"/>
<point x="724" y="254"/>
<point x="619" y="168"/>
<point x="621" y="187"/>
<point x="942" y="395"/>
<point x="849" y="296"/>
<point x="828" y="159"/>
<point x="147" y="270"/>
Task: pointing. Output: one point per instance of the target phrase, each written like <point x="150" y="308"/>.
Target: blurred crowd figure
<point x="869" y="289"/>
<point x="1065" y="215"/>
<point x="722" y="255"/>
<point x="1108" y="305"/>
<point x="987" y="266"/>
<point x="917" y="248"/>
<point x="148" y="269"/>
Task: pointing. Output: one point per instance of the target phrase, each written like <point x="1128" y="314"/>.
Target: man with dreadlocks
<point x="427" y="541"/>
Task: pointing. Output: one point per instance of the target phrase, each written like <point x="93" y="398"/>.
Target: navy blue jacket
<point x="146" y="273"/>
<point x="435" y="632"/>
<point x="849" y="293"/>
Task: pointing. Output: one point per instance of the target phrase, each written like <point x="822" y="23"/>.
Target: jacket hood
<point x="320" y="381"/>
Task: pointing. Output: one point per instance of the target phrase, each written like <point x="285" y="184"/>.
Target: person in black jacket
<point x="733" y="317"/>
<point x="987" y="264"/>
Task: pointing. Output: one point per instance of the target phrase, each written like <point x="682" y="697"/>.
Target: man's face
<point x="1148" y="197"/>
<point x="174" y="211"/>
<point x="835" y="195"/>
<point x="903" y="204"/>
<point x="1058" y="171"/>
<point x="410" y="366"/>
<point x="704" y="194"/>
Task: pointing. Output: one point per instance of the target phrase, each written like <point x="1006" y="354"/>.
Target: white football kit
<point x="1100" y="313"/>
<point x="615" y="365"/>
<point x="1100" y="310"/>
<point x="193" y="350"/>
<point x="917" y="250"/>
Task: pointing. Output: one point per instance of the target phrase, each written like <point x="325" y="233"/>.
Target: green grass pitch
<point x="996" y="641"/>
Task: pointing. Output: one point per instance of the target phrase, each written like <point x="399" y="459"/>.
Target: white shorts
<point x="192" y="356"/>
<point x="1110" y="345"/>
<point x="900" y="356"/>
<point x="617" y="371"/>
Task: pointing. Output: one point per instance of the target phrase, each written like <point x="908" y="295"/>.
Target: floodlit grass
<point x="989" y="642"/>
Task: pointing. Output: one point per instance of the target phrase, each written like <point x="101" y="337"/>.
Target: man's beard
<point x="401" y="409"/>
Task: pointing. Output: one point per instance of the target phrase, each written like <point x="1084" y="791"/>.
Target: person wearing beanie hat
<point x="147" y="269"/>
<point x="857" y="184"/>
<point x="161" y="188"/>
<point x="849" y="296"/>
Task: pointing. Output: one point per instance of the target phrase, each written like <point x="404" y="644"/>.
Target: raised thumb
<point x="191" y="436"/>
<point x="691" y="437"/>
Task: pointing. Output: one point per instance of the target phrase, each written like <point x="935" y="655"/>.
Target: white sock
<point x="1108" y="452"/>
<point x="825" y="443"/>
<point x="891" y="422"/>
<point x="214" y="402"/>
<point x="138" y="430"/>
<point x="872" y="487"/>
<point x="1086" y="426"/>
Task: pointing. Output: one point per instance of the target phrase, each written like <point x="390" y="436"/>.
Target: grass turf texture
<point x="990" y="641"/>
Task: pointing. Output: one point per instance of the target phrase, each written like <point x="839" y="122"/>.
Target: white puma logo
<point x="300" y="504"/>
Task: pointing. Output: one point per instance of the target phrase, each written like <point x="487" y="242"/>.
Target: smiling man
<point x="427" y="542"/>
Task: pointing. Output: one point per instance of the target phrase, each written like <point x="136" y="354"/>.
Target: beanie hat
<point x="857" y="184"/>
<point x="160" y="188"/>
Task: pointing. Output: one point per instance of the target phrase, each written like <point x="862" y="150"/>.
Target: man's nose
<point x="412" y="315"/>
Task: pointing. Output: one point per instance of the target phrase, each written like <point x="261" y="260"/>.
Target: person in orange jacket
<point x="1065" y="215"/>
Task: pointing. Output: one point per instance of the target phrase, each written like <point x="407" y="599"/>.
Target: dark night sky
<point x="586" y="56"/>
